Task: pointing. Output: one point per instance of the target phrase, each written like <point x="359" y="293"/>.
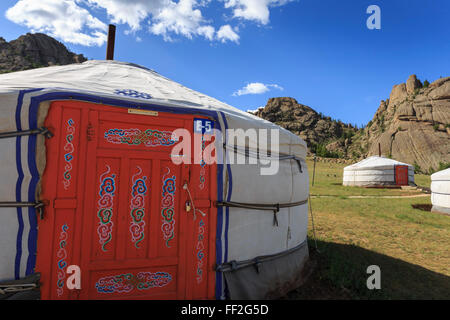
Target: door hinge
<point x="39" y="206"/>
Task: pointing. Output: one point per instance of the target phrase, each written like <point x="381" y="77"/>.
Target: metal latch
<point x="188" y="206"/>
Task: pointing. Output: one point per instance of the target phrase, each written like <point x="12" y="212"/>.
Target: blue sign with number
<point x="203" y="126"/>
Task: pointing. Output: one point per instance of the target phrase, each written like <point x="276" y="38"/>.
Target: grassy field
<point x="409" y="245"/>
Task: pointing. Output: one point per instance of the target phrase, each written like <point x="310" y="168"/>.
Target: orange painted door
<point x="119" y="207"/>
<point x="401" y="175"/>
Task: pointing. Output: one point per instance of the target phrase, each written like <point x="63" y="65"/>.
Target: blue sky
<point x="318" y="51"/>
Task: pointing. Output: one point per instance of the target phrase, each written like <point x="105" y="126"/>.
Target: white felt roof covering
<point x="443" y="175"/>
<point x="375" y="162"/>
<point x="107" y="78"/>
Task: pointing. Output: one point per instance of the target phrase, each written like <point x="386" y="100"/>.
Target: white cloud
<point x="131" y="12"/>
<point x="182" y="18"/>
<point x="226" y="33"/>
<point x="62" y="19"/>
<point x="207" y="32"/>
<point x="74" y="21"/>
<point x="256" y="10"/>
<point x="256" y="88"/>
<point x="162" y="17"/>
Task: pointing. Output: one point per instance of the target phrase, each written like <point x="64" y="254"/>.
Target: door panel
<point x="139" y="209"/>
<point x="105" y="221"/>
<point x="169" y="187"/>
<point x="61" y="186"/>
<point x="401" y="175"/>
<point x="120" y="209"/>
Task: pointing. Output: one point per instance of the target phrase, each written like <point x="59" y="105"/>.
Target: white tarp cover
<point x="243" y="234"/>
<point x="440" y="191"/>
<point x="374" y="171"/>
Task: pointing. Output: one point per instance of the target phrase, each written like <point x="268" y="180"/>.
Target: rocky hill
<point x="324" y="135"/>
<point x="33" y="51"/>
<point x="412" y="126"/>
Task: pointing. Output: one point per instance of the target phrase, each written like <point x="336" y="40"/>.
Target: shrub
<point x="443" y="165"/>
<point x="417" y="168"/>
<point x="426" y="84"/>
<point x="321" y="151"/>
<point x="436" y="126"/>
<point x="348" y="134"/>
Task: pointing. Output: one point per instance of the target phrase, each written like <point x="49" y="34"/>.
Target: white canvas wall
<point x="440" y="191"/>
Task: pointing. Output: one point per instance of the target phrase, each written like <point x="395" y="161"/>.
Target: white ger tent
<point x="378" y="171"/>
<point x="440" y="191"/>
<point x="101" y="191"/>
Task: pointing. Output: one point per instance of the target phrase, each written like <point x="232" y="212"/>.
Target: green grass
<point x="410" y="246"/>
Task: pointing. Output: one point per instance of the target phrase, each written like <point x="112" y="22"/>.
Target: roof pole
<point x="111" y="40"/>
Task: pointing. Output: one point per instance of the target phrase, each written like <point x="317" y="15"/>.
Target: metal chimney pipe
<point x="379" y="149"/>
<point x="111" y="40"/>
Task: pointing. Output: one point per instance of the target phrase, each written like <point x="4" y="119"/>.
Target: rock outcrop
<point x="316" y="129"/>
<point x="412" y="84"/>
<point x="413" y="125"/>
<point x="33" y="51"/>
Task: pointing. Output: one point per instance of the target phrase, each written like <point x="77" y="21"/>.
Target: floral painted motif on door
<point x="61" y="253"/>
<point x="105" y="206"/>
<point x="139" y="209"/>
<point x="167" y="206"/>
<point x="68" y="156"/>
<point x="139" y="191"/>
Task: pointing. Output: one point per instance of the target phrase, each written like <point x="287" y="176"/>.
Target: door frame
<point x="215" y="241"/>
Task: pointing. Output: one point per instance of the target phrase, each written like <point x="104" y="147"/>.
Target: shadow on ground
<point x="423" y="207"/>
<point x="340" y="273"/>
